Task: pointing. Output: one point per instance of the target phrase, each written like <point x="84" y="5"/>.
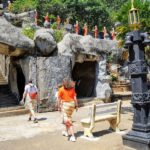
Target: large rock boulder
<point x="18" y="19"/>
<point x="12" y="41"/>
<point x="73" y="43"/>
<point x="45" y="42"/>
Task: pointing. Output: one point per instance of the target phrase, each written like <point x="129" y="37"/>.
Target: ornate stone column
<point x="139" y="136"/>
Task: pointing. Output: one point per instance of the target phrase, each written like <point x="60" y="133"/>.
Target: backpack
<point x="33" y="92"/>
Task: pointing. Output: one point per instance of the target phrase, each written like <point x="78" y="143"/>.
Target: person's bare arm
<point x="24" y="96"/>
<point x="76" y="102"/>
<point x="59" y="104"/>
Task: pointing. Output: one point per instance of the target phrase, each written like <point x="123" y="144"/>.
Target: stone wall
<point x="50" y="73"/>
<point x="46" y="73"/>
<point x="4" y="65"/>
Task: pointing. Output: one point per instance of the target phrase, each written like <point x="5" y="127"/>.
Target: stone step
<point x="3" y="81"/>
<point x="12" y="111"/>
<point x="11" y="108"/>
<point x="2" y="78"/>
<point x="122" y="95"/>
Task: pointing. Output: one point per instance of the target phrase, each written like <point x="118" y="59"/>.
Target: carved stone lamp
<point x="134" y="21"/>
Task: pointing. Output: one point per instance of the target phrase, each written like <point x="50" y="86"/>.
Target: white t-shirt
<point x="30" y="88"/>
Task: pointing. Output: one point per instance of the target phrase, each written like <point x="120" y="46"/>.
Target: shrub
<point x="54" y="26"/>
<point x="58" y="35"/>
<point x="29" y="32"/>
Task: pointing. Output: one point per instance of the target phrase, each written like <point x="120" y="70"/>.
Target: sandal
<point x="29" y="119"/>
<point x="35" y="120"/>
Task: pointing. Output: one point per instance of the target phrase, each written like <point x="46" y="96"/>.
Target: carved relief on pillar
<point x="138" y="67"/>
<point x="141" y="98"/>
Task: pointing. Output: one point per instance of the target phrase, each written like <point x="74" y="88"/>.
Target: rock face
<point x="46" y="73"/>
<point x="51" y="72"/>
<point x="81" y="57"/>
<point x="12" y="42"/>
<point x="73" y="43"/>
<point x="20" y="18"/>
<point x="86" y="48"/>
<point x="103" y="90"/>
<point x="44" y="42"/>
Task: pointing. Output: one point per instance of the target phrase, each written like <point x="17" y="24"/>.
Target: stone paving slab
<point x="16" y="133"/>
<point x="18" y="127"/>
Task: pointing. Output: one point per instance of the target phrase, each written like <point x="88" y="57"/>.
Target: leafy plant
<point x="29" y="32"/>
<point x="122" y="17"/>
<point x="110" y="58"/>
<point x="24" y="5"/>
<point x="58" y="34"/>
<point x="54" y="25"/>
<point x="114" y="77"/>
<point x="147" y="54"/>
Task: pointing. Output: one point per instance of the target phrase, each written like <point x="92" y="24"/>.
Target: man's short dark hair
<point x="30" y="80"/>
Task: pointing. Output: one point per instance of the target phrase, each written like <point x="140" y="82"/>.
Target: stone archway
<point x="85" y="76"/>
<point x="20" y="81"/>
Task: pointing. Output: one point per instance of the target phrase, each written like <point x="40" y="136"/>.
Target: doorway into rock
<point x="20" y="81"/>
<point x="85" y="76"/>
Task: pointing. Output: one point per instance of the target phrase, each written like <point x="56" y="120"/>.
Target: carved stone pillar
<point x="139" y="136"/>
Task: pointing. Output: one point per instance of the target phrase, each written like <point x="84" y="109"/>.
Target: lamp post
<point x="139" y="136"/>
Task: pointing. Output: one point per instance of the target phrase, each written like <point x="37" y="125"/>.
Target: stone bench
<point x="101" y="112"/>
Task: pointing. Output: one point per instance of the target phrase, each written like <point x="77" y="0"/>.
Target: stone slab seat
<point x="110" y="112"/>
<point x="99" y="118"/>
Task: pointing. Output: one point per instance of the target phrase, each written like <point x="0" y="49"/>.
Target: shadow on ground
<point x="42" y="119"/>
<point x="97" y="133"/>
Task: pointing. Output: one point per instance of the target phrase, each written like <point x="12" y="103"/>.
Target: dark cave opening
<point x="85" y="76"/>
<point x="20" y="81"/>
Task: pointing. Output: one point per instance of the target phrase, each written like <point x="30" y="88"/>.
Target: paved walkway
<point x="16" y="133"/>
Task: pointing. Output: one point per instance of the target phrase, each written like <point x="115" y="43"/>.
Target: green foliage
<point x="54" y="26"/>
<point x="52" y="17"/>
<point x="122" y="16"/>
<point x="58" y="34"/>
<point x="147" y="54"/>
<point x="113" y="77"/>
<point x="90" y="12"/>
<point x="110" y="58"/>
<point x="24" y="5"/>
<point x="29" y="32"/>
<point x="95" y="12"/>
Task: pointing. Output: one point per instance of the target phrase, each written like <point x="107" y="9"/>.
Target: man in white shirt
<point x="30" y="102"/>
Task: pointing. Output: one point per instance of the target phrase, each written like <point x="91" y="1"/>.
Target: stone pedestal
<point x="137" y="140"/>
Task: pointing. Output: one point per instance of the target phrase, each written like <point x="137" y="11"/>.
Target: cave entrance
<point x="20" y="81"/>
<point x="85" y="76"/>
